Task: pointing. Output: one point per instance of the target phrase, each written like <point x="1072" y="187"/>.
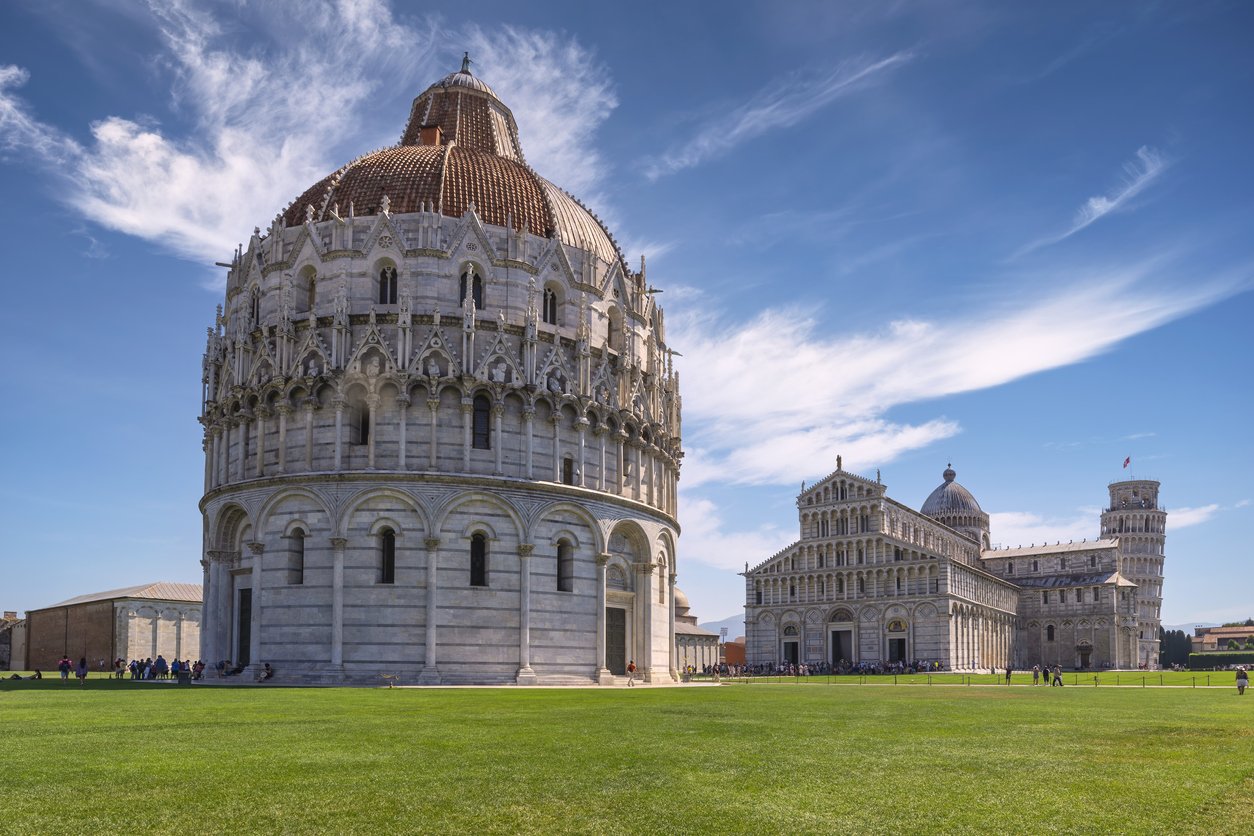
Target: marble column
<point x="206" y="597"/>
<point x="254" y="631"/>
<point x="498" y="435"/>
<point x="468" y="408"/>
<point x="603" y="676"/>
<point x="671" y="625"/>
<point x="284" y="410"/>
<point x="338" y="545"/>
<point x="526" y="676"/>
<point x="402" y="408"/>
<point x="433" y="404"/>
<point x="430" y="673"/>
<point x="529" y="415"/>
<point x="644" y="594"/>
<point x="372" y="404"/>
<point x="339" y="433"/>
<point x="260" y="469"/>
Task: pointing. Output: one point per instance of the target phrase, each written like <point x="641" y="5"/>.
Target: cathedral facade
<point x="873" y="581"/>
<point x="441" y="426"/>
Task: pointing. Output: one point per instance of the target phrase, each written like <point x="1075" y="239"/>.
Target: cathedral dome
<point x="950" y="498"/>
<point x="459" y="152"/>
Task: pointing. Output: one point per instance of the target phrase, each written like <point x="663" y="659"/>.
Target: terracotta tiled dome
<point x="459" y="148"/>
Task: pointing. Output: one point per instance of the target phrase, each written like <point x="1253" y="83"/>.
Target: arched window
<point x="550" y="306"/>
<point x="565" y="567"/>
<point x="568" y="470"/>
<point x="478" y="560"/>
<point x="311" y="288"/>
<point x="256" y="306"/>
<point x="296" y="568"/>
<point x="387" y="286"/>
<point x="476" y="290"/>
<point x="481" y="426"/>
<point x="1010" y="567"/>
<point x="613" y="330"/>
<point x="1049" y="633"/>
<point x="359" y="424"/>
<point x="387" y="556"/>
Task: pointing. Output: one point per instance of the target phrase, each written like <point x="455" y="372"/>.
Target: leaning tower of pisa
<point x="1140" y="523"/>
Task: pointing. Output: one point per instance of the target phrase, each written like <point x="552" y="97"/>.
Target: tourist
<point x="1243" y="681"/>
<point x="1007" y="674"/>
<point x="82" y="670"/>
<point x="1058" y="676"/>
<point x="631" y="674"/>
<point x="1036" y="674"/>
<point x="267" y="673"/>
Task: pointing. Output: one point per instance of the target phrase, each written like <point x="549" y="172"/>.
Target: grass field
<point x="755" y="758"/>
<point x="1101" y="679"/>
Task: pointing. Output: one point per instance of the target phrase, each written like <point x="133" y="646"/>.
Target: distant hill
<point x="735" y="626"/>
<point x="1188" y="628"/>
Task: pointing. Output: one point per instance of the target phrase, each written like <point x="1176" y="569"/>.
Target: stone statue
<point x="373" y="367"/>
<point x="433" y="368"/>
<point x="309" y="213"/>
<point x="555" y="384"/>
<point x="313" y="368"/>
<point x="498" y="372"/>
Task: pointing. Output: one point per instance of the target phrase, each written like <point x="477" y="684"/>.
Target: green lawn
<point x="1100" y="679"/>
<point x="756" y="758"/>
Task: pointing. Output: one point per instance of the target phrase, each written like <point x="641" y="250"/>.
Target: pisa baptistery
<point x="441" y="426"/>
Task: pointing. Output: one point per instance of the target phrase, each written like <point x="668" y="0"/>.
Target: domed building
<point x="441" y="426"/>
<point x="873" y="583"/>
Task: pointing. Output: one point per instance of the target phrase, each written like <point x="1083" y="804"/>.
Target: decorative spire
<point x="466" y="62"/>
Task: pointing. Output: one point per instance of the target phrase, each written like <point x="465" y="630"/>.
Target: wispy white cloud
<point x="709" y="540"/>
<point x="781" y="104"/>
<point x="1185" y="517"/>
<point x="1242" y="503"/>
<point x="260" y="124"/>
<point x="773" y="399"/>
<point x="1011" y="529"/>
<point x="560" y="94"/>
<point x="1138" y="174"/>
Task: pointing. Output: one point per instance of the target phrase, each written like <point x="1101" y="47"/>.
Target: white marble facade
<point x="441" y="439"/>
<point x="873" y="581"/>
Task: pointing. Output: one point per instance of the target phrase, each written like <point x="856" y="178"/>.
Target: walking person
<point x="64" y="667"/>
<point x="631" y="674"/>
<point x="82" y="670"/>
<point x="1036" y="674"/>
<point x="1243" y="681"/>
<point x="1058" y="676"/>
<point x="1008" y="670"/>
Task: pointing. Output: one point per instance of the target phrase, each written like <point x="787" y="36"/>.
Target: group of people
<point x="1043" y="671"/>
<point x="822" y="668"/>
<point x="64" y="666"/>
<point x="157" y="668"/>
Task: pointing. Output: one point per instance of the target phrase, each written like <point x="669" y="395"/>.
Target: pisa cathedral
<point x="441" y="426"/>
<point x="873" y="581"/>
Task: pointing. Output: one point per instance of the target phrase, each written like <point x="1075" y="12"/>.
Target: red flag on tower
<point x="1127" y="462"/>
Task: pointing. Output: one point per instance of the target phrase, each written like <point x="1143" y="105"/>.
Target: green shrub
<point x="1221" y="659"/>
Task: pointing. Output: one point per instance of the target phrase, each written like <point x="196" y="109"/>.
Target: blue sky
<point x="1015" y="237"/>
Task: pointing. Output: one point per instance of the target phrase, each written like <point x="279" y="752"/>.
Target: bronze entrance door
<point x="244" y="626"/>
<point x="896" y="650"/>
<point x="616" y="641"/>
<point x="842" y="646"/>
